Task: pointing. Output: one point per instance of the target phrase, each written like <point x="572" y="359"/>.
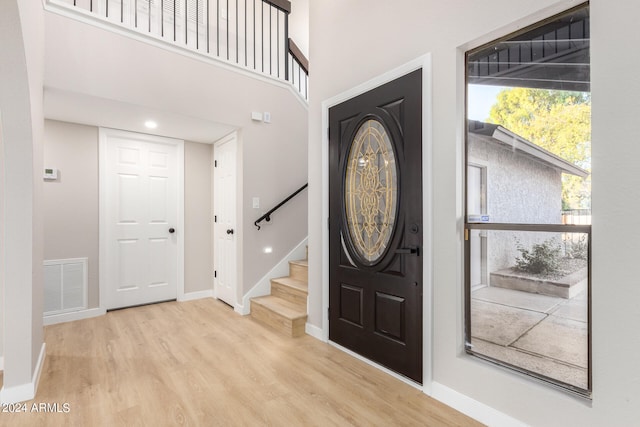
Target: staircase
<point x="285" y="310"/>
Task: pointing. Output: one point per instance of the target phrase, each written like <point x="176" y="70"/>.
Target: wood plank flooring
<point x="198" y="363"/>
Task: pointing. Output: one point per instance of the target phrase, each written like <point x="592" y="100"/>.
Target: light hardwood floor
<point x="198" y="363"/>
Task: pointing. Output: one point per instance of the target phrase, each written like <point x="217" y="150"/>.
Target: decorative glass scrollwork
<point x="371" y="191"/>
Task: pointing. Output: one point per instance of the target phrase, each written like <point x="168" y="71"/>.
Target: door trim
<point x="103" y="135"/>
<point x="424" y="63"/>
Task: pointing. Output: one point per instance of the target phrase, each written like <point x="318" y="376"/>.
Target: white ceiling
<point x="94" y="111"/>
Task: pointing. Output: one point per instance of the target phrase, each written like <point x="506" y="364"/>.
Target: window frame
<point x="528" y="227"/>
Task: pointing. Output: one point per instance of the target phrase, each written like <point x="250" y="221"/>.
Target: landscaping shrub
<point x="577" y="249"/>
<point x="542" y="258"/>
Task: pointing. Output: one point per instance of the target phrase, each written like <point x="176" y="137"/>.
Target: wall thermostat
<point x="50" y="174"/>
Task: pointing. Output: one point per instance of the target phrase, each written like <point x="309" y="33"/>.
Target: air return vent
<point x="65" y="285"/>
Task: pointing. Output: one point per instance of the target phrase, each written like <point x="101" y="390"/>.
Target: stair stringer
<point x="263" y="286"/>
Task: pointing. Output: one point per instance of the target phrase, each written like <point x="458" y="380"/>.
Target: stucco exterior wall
<point x="520" y="190"/>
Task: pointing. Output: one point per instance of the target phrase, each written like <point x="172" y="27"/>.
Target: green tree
<point x="558" y="121"/>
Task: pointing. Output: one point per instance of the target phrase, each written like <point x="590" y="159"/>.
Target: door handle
<point x="407" y="251"/>
<point x="230" y="231"/>
<point x="172" y="230"/>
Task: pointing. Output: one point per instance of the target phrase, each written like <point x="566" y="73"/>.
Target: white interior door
<point x="225" y="223"/>
<point x="141" y="218"/>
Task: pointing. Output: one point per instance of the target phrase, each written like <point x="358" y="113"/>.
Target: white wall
<point x="81" y="58"/>
<point x="299" y="25"/>
<point x="71" y="201"/>
<point x="368" y="38"/>
<point x="33" y="29"/>
<point x="2" y="240"/>
<point x="198" y="257"/>
<point x="21" y="50"/>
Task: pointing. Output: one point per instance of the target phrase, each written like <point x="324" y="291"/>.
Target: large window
<point x="528" y="201"/>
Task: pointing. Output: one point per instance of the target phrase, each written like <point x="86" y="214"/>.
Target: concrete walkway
<point x="543" y="334"/>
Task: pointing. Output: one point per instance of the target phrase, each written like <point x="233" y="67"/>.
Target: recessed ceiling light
<point x="151" y="124"/>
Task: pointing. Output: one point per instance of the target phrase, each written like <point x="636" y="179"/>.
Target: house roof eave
<point x="517" y="142"/>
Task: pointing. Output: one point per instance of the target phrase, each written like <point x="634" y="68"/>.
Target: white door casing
<point x="141" y="202"/>
<point x="225" y="220"/>
<point x="423" y="62"/>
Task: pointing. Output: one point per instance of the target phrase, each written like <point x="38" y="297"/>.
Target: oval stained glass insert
<point x="371" y="191"/>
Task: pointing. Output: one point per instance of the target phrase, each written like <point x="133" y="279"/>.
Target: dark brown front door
<point x="375" y="225"/>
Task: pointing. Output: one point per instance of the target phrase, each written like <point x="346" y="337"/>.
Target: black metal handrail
<point x="267" y="216"/>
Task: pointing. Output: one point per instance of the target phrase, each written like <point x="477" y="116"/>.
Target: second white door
<point x="225" y="231"/>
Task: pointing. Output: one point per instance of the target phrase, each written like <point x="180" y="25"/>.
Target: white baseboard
<point x="281" y="269"/>
<point x="38" y="370"/>
<point x="471" y="407"/>
<point x="314" y="331"/>
<point x="243" y="309"/>
<point x="73" y="315"/>
<point x="190" y="296"/>
<point x="26" y="391"/>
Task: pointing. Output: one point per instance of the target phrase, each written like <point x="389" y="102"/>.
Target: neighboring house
<point x="513" y="181"/>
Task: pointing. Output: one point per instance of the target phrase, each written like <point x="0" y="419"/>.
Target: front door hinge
<point x="215" y="218"/>
<point x="215" y="273"/>
<point x="215" y="163"/>
<point x="466" y="234"/>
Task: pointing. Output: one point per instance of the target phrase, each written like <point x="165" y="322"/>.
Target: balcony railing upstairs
<point x="298" y="69"/>
<point x="253" y="34"/>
